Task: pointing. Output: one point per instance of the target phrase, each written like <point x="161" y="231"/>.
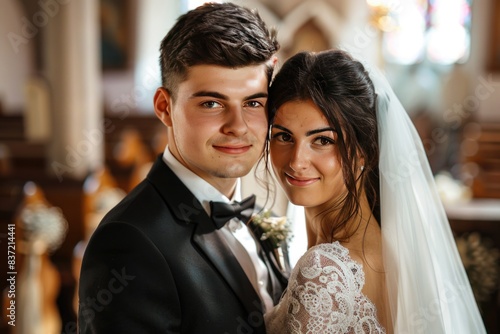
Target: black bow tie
<point x="222" y="212"/>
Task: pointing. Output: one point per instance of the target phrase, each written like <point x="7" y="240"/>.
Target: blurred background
<point x="78" y="131"/>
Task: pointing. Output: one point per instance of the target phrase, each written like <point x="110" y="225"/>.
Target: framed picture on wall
<point x="494" y="52"/>
<point x="116" y="34"/>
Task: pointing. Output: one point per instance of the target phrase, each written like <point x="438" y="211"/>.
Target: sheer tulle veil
<point x="429" y="291"/>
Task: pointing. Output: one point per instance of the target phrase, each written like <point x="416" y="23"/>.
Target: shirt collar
<point x="201" y="189"/>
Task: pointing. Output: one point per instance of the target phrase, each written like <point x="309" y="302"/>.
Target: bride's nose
<point x="299" y="157"/>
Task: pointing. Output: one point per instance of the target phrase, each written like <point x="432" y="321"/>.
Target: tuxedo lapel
<point x="277" y="278"/>
<point x="216" y="249"/>
<point x="186" y="208"/>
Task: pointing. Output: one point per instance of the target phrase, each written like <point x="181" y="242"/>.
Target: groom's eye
<point x="254" y="104"/>
<point x="211" y="104"/>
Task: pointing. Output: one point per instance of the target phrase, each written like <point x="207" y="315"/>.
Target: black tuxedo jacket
<point x="156" y="264"/>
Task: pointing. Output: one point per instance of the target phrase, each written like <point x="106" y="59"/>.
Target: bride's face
<point x="304" y="155"/>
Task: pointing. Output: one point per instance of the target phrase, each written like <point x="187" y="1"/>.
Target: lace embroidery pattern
<point x="324" y="296"/>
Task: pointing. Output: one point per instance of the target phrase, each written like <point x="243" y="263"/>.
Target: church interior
<point x="78" y="130"/>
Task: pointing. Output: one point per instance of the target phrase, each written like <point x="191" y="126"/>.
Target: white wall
<point x="156" y="17"/>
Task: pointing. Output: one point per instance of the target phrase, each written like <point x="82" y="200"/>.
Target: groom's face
<point x="218" y="121"/>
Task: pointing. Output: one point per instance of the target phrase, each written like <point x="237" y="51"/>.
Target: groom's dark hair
<point x="223" y="34"/>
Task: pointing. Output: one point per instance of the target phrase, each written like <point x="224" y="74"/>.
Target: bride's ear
<point x="360" y="163"/>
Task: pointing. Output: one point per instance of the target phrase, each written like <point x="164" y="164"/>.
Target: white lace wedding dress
<point x="324" y="296"/>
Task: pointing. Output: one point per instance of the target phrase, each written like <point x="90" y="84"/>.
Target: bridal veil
<point x="429" y="291"/>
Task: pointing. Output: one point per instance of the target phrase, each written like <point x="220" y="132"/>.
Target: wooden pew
<point x="481" y="158"/>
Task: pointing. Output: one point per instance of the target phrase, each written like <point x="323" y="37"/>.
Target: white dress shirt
<point x="236" y="234"/>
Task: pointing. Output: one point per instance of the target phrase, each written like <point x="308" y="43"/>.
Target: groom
<point x="174" y="256"/>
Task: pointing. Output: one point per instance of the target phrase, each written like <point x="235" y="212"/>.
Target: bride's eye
<point x="282" y="137"/>
<point x="324" y="141"/>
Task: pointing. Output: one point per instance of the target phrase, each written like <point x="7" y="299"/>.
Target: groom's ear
<point x="163" y="106"/>
<point x="274" y="61"/>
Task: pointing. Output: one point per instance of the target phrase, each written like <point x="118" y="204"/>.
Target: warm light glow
<point x="387" y="23"/>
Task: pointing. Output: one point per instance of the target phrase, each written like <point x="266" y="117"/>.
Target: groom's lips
<point x="232" y="149"/>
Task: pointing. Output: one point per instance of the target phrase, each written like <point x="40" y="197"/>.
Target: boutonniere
<point x="273" y="229"/>
<point x="272" y="232"/>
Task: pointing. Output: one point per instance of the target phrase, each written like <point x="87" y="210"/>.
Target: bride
<point x="381" y="257"/>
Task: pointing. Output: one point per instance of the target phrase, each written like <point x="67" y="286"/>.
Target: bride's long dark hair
<point x="342" y="89"/>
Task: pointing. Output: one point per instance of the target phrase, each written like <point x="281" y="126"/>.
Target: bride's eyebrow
<point x="313" y="132"/>
<point x="308" y="133"/>
<point x="281" y="128"/>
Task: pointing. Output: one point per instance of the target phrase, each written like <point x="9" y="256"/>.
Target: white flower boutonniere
<point x="273" y="232"/>
<point x="273" y="229"/>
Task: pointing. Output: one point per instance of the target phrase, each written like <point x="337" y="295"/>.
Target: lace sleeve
<point x="324" y="296"/>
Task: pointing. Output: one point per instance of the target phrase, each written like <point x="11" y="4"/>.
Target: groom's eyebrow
<point x="217" y="95"/>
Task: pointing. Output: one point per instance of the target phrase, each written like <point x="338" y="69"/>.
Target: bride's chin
<point x="299" y="200"/>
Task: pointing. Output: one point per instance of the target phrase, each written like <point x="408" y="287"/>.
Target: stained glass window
<point x="438" y="30"/>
